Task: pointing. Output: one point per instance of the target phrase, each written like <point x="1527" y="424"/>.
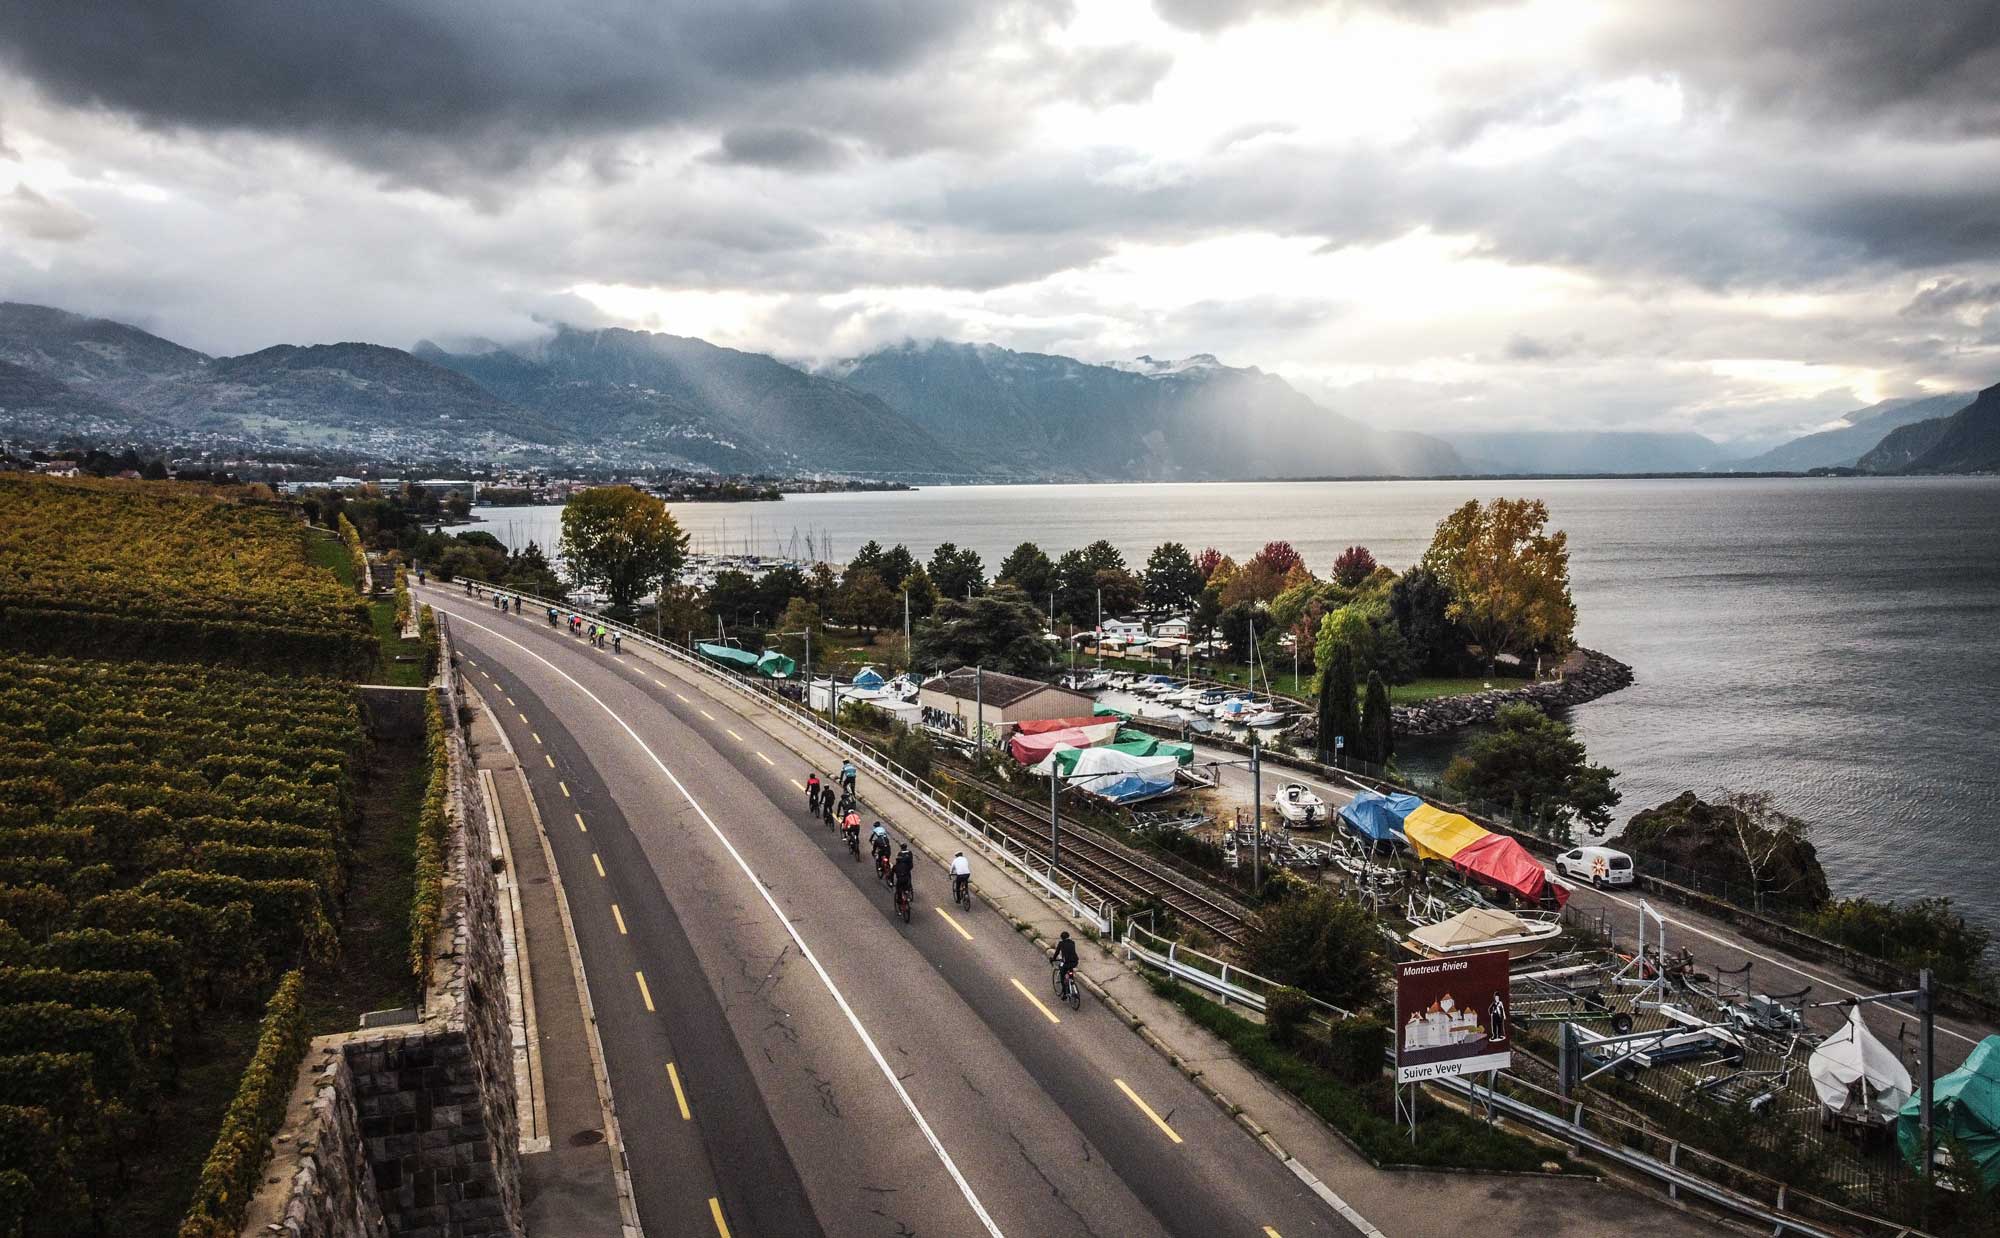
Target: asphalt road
<point x="786" y="1056"/>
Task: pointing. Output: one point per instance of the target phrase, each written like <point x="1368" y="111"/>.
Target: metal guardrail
<point x="1085" y="906"/>
<point x="1226" y="980"/>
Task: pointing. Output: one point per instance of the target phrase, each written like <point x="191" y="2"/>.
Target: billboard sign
<point x="1452" y="1017"/>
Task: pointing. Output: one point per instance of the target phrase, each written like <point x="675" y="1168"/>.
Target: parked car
<point x="1600" y="866"/>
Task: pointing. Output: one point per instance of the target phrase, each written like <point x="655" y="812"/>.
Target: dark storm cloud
<point x="1948" y="296"/>
<point x="391" y="82"/>
<point x="1929" y="66"/>
<point x="779" y="146"/>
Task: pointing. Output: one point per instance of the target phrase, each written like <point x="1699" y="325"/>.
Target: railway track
<point x="1116" y="873"/>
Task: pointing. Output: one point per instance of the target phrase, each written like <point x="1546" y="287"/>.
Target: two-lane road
<point x="786" y="1055"/>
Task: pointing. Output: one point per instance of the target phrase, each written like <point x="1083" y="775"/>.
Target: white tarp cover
<point x="1853" y="1056"/>
<point x="1472" y="927"/>
<point x="1109" y="762"/>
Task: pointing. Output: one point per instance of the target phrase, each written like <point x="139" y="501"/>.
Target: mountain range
<point x="916" y="411"/>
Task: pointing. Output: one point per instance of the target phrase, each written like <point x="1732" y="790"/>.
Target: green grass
<point x="328" y="552"/>
<point x="1363" y="1113"/>
<point x="373" y="970"/>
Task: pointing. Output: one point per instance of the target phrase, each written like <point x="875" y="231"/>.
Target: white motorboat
<point x="902" y="688"/>
<point x="1267" y="718"/>
<point x="1477" y="930"/>
<point x="1300" y="808"/>
<point x="1086" y="681"/>
<point x="1234" y="711"/>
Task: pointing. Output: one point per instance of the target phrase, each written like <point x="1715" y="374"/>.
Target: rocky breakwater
<point x="1586" y="675"/>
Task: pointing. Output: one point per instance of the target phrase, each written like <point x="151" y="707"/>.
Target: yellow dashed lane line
<point x="680" y="1097"/>
<point x="1147" y="1110"/>
<point x="1049" y="1014"/>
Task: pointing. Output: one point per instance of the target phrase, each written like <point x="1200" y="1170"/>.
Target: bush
<point x="1322" y="943"/>
<point x="1924" y="933"/>
<point x="1287" y="1015"/>
<point x="230" y="1176"/>
<point x="1355" y="1049"/>
<point x="433" y="822"/>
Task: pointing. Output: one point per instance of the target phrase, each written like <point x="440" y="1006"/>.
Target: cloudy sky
<point x="1738" y="218"/>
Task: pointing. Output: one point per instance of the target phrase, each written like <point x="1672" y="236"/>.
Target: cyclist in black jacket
<point x="1065" y="954"/>
<point x="905" y="862"/>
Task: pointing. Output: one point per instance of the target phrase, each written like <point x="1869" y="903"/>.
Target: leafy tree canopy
<point x="1028" y="569"/>
<point x="1509" y="579"/>
<point x="1353" y="566"/>
<point x="1172" y="579"/>
<point x="622" y="540"/>
<point x="1537" y="768"/>
<point x="955" y="572"/>
<point x="1000" y="630"/>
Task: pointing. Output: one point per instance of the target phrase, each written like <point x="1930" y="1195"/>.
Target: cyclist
<point x="1065" y="954"/>
<point x="617" y="643"/>
<point x="878" y="846"/>
<point x="847" y="775"/>
<point x="905" y="862"/>
<point x="812" y="793"/>
<point x="552" y="616"/>
<point x="961" y="876"/>
<point x="846" y="800"/>
<point x="826" y="805"/>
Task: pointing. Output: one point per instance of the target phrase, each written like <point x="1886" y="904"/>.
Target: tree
<point x="1279" y="558"/>
<point x="1029" y="570"/>
<point x="1766" y="839"/>
<point x="1101" y="556"/>
<point x="623" y="540"/>
<point x="734" y="598"/>
<point x="1509" y="580"/>
<point x="1235" y="625"/>
<point x="821" y="584"/>
<point x="955" y="572"/>
<point x="1537" y="768"/>
<point x="1378" y="724"/>
<point x="865" y="602"/>
<point x="679" y="611"/>
<point x="1354" y="566"/>
<point x="1337" y="718"/>
<point x="1172" y="579"/>
<point x="1000" y="630"/>
<point x="530" y="571"/>
<point x="777" y="587"/>
<point x="1207" y="561"/>
<point x="896" y="566"/>
<point x="1321" y="943"/>
<point x="1253" y="582"/>
<point x="1419" y="605"/>
<point x="800" y="617"/>
<point x="1371" y="638"/>
<point x="868" y="558"/>
<point x="1076" y="589"/>
<point x="1121" y="590"/>
<point x="923" y="594"/>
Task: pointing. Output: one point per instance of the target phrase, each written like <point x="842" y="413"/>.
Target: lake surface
<point x="1833" y="641"/>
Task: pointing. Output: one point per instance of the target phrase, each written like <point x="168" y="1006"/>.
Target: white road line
<point x="805" y="951"/>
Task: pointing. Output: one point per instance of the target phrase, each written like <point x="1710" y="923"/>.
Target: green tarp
<point x="1105" y="711"/>
<point x="1140" y="744"/>
<point x="1965" y="1107"/>
<point x="729" y="656"/>
<point x="775" y="665"/>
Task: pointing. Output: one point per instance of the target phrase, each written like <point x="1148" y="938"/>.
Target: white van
<point x="1600" y="866"/>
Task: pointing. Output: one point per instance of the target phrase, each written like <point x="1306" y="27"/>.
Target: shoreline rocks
<point x="1586" y="676"/>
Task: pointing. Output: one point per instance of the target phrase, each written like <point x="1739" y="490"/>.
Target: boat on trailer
<point x="1299" y="807"/>
<point x="1477" y="930"/>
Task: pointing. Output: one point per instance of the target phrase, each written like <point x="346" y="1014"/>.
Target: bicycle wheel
<point x="1055" y="979"/>
<point x="1075" y="994"/>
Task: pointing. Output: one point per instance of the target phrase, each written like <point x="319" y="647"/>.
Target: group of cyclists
<point x="590" y="630"/>
<point x="834" y="800"/>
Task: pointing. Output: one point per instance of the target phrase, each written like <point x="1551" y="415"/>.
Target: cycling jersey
<point x="904" y="863"/>
<point x="961" y="867"/>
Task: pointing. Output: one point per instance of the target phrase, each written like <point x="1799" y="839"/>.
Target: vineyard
<point x="136" y="570"/>
<point x="171" y="840"/>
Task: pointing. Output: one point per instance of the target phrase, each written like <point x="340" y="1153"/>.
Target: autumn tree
<point x="1207" y="561"/>
<point x="1508" y="577"/>
<point x="1172" y="579"/>
<point x="1354" y="566"/>
<point x="622" y="540"/>
<point x="1279" y="557"/>
<point x="1253" y="582"/>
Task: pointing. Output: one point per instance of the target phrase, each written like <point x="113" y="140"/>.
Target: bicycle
<point x="903" y="903"/>
<point x="885" y="867"/>
<point x="961" y="892"/>
<point x="1067" y="989"/>
<point x="853" y="833"/>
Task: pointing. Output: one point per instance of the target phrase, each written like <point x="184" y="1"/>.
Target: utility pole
<point x="909" y="653"/>
<point x="979" y="709"/>
<point x="1055" y="828"/>
<point x="1256" y="815"/>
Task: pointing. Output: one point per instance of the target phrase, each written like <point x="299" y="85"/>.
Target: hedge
<point x="236" y="1163"/>
<point x="433" y="839"/>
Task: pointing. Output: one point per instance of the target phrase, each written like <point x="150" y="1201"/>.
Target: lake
<point x="1832" y="641"/>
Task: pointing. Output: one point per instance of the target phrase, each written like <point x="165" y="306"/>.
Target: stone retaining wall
<point x="1586" y="676"/>
<point x="411" y="1130"/>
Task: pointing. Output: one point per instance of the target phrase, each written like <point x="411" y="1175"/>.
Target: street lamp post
<point x="1256" y="814"/>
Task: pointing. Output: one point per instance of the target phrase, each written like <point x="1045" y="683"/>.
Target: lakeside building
<point x="1002" y="701"/>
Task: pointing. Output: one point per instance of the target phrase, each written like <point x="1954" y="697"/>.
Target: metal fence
<point x="1220" y="977"/>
